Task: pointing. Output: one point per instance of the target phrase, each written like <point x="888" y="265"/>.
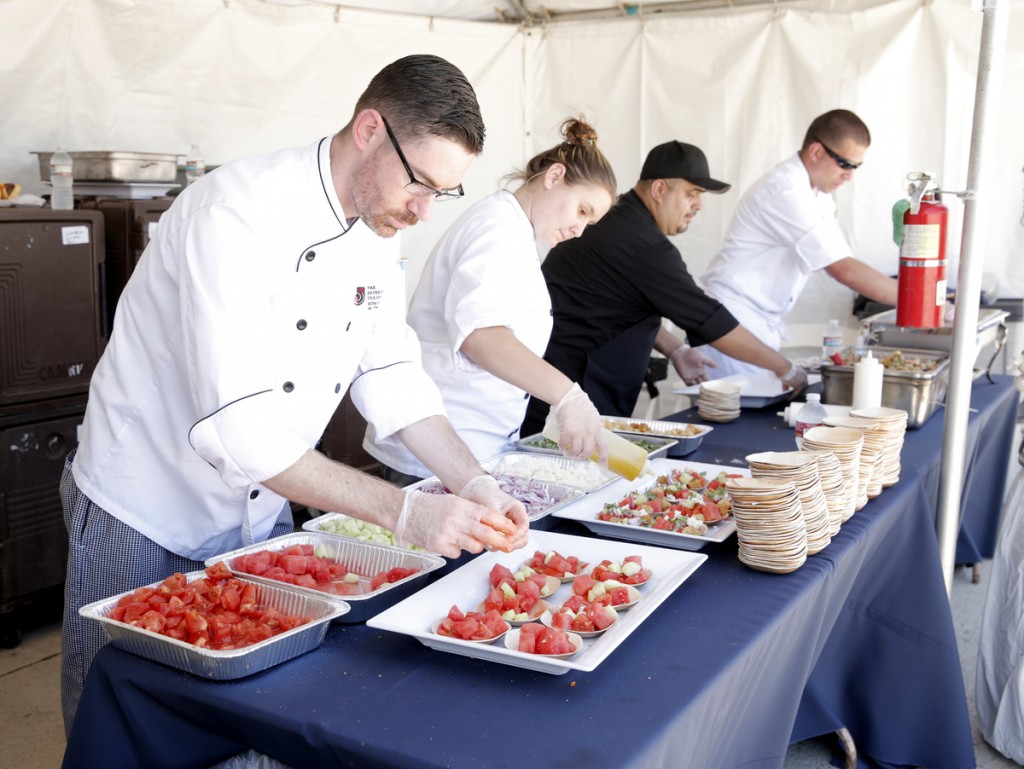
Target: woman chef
<point x="483" y="314"/>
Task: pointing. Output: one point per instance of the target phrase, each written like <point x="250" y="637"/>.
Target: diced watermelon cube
<point x="582" y="584"/>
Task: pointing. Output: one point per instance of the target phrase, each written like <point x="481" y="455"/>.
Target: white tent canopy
<point x="741" y="79"/>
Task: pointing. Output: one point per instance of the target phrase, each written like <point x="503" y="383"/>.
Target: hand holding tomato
<point x="485" y="490"/>
<point x="448" y="525"/>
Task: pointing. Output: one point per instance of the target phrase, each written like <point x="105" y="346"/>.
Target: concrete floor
<point x="32" y="735"/>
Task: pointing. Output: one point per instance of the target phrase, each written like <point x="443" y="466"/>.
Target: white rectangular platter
<point x="467" y="587"/>
<point x="586" y="509"/>
<point x="756" y="390"/>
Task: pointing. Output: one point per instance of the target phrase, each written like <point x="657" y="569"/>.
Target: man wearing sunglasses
<point x="271" y="287"/>
<point x="784" y="229"/>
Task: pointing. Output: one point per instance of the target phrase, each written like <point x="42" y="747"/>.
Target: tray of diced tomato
<point x="597" y="592"/>
<point x="215" y="624"/>
<point x="368" y="577"/>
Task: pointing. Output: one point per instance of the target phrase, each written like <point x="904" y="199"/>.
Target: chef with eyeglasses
<point x="784" y="229"/>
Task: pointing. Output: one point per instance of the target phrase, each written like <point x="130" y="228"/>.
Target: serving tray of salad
<point x="681" y="504"/>
<point x="464" y="613"/>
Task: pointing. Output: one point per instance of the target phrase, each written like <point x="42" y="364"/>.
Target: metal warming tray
<point x="363" y="558"/>
<point x="881" y="329"/>
<point x="116" y="166"/>
<point x="225" y="664"/>
<point x="919" y="393"/>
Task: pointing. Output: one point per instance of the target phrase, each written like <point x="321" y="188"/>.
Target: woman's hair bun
<point x="576" y="131"/>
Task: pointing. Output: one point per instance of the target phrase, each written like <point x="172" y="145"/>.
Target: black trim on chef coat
<point x="609" y="289"/>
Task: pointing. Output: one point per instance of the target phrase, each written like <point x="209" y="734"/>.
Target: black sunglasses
<point x="415" y="186"/>
<point x="846" y="165"/>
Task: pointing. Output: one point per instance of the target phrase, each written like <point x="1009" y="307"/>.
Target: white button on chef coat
<point x="234" y="341"/>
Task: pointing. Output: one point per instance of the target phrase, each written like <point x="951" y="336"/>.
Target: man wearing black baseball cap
<point x="611" y="287"/>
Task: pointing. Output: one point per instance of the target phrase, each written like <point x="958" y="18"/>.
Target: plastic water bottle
<point x="195" y="166"/>
<point x="832" y="340"/>
<point x="811" y="415"/>
<point x="62" y="178"/>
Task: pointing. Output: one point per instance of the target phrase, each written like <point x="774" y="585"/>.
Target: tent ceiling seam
<point x="518" y="13"/>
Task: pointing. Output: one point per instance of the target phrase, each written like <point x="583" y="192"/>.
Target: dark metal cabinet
<point x="51" y="302"/>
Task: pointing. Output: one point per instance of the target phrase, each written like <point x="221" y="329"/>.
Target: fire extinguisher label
<point x="940" y="293"/>
<point x="920" y="241"/>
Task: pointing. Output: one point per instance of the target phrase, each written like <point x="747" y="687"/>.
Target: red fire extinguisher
<point x="921" y="296"/>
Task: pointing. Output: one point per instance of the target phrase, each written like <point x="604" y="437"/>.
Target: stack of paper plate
<point x="846" y="445"/>
<point x="875" y="439"/>
<point x="830" y="473"/>
<point x="801" y="468"/>
<point x="718" y="401"/>
<point x="769" y="524"/>
<point x="895" y="423"/>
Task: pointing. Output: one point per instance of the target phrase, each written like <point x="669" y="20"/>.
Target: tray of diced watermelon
<point x="468" y="612"/>
<point x="367" y="577"/>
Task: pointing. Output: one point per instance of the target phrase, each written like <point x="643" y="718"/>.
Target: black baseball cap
<point x="676" y="160"/>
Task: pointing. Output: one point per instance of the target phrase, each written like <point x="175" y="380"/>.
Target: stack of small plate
<point x="895" y="423"/>
<point x="718" y="401"/>
<point x="801" y="468"/>
<point x="846" y="445"/>
<point x="830" y="473"/>
<point x="875" y="439"/>
<point x="769" y="524"/>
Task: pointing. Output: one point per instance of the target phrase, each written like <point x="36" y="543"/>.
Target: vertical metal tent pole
<point x="968" y="293"/>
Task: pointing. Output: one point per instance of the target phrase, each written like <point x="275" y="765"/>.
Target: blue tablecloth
<point x="728" y="671"/>
<point x="988" y="456"/>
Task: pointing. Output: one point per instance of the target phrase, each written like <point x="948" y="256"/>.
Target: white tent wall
<point x="241" y="77"/>
<point x="744" y="85"/>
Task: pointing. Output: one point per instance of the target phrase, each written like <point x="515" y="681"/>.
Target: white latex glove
<point x="795" y="378"/>
<point x="690" y="364"/>
<point x="580" y="427"/>
<point x="485" y="490"/>
<point x="446" y="524"/>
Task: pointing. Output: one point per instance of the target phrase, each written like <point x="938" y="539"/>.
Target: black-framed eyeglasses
<point x="846" y="165"/>
<point x="415" y="186"/>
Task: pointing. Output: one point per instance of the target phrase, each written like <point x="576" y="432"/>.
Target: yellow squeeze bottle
<point x="625" y="458"/>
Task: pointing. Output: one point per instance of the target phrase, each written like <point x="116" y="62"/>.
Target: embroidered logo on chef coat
<point x="371" y="296"/>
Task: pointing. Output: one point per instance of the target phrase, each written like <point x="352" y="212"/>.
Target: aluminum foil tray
<point x="227" y="664"/>
<point x="558" y="470"/>
<point x="321" y="525"/>
<point x="653" y="428"/>
<point x="364" y="558"/>
<point x="562" y="493"/>
<point x="662" y="446"/>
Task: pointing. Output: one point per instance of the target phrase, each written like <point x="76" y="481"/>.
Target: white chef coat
<point x="484" y="272"/>
<point x="782" y="231"/>
<point x="250" y="313"/>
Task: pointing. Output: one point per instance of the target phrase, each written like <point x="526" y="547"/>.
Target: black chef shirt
<point x="609" y="289"/>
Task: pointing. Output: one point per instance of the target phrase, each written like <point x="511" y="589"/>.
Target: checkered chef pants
<point x="96" y="540"/>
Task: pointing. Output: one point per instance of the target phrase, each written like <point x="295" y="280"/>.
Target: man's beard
<point x="370" y="205"/>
